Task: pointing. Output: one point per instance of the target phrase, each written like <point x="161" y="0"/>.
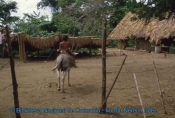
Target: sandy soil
<point x="38" y="86"/>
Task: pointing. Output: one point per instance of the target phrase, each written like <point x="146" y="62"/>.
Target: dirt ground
<point x="38" y="86"/>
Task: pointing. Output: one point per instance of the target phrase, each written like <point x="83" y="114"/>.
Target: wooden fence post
<point x="110" y="90"/>
<point x="103" y="103"/>
<point x="14" y="81"/>
<point x="21" y="43"/>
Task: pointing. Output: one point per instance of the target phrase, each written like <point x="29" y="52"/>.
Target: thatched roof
<point x="54" y="40"/>
<point x="44" y="42"/>
<point x="87" y="41"/>
<point x="127" y="27"/>
<point x="160" y="30"/>
<point x="155" y="29"/>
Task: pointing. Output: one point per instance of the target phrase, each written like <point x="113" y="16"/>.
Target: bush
<point x="131" y="42"/>
<point x="172" y="50"/>
<point x="113" y="44"/>
<point x="87" y="51"/>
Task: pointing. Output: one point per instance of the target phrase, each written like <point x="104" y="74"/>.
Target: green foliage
<point x="49" y="3"/>
<point x="6" y="8"/>
<point x="113" y="44"/>
<point x="119" y="11"/>
<point x="83" y="50"/>
<point x="48" y="26"/>
<point x="34" y="25"/>
<point x="65" y="24"/>
<point x="75" y="17"/>
<point x="131" y="42"/>
<point x="84" y="17"/>
<point x="65" y="3"/>
<point x="87" y="51"/>
<point x="39" y="26"/>
<point x="56" y="5"/>
<point x="172" y="50"/>
<point x="91" y="27"/>
<point x="155" y="8"/>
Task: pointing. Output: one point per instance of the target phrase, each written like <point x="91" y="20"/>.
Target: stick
<point x="104" y="102"/>
<point x="140" y="98"/>
<point x="160" y="90"/>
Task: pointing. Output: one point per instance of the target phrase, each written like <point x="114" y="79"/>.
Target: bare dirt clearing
<point x="38" y="86"/>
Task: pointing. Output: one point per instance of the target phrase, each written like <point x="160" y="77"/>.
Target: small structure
<point x="129" y="27"/>
<point x="25" y="43"/>
<point x="145" y="32"/>
<point x="88" y="42"/>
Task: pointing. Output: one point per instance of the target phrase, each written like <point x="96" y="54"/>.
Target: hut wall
<point x="142" y="44"/>
<point x="122" y="44"/>
<point x="167" y="43"/>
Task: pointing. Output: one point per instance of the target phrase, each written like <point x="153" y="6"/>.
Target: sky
<point x="28" y="6"/>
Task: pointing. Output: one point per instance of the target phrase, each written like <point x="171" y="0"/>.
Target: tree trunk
<point x="14" y="81"/>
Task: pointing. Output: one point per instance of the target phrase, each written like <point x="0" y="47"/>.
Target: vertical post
<point x="14" y="81"/>
<point x="140" y="98"/>
<point x="103" y="106"/>
<point x="22" y="53"/>
<point x="110" y="90"/>
<point x="160" y="89"/>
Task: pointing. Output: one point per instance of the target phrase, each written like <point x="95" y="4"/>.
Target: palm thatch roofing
<point x="37" y="42"/>
<point x="43" y="42"/>
<point x="87" y="41"/>
<point x="155" y="30"/>
<point x="54" y="40"/>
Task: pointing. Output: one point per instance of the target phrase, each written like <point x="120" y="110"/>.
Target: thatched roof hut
<point x="155" y="30"/>
<point x="163" y="29"/>
<point x="127" y="27"/>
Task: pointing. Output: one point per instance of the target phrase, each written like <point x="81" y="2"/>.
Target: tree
<point x="83" y="17"/>
<point x="35" y="25"/>
<point x="5" y="19"/>
<point x="49" y="3"/>
<point x="57" y="5"/>
<point x="114" y="10"/>
<point x="120" y="10"/>
<point x="66" y="24"/>
<point x="155" y="8"/>
<point x="66" y="14"/>
<point x="6" y="8"/>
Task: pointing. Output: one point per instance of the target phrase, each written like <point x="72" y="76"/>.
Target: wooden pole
<point x="110" y="90"/>
<point x="160" y="90"/>
<point x="22" y="53"/>
<point x="14" y="81"/>
<point x="103" y="104"/>
<point x="140" y="98"/>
